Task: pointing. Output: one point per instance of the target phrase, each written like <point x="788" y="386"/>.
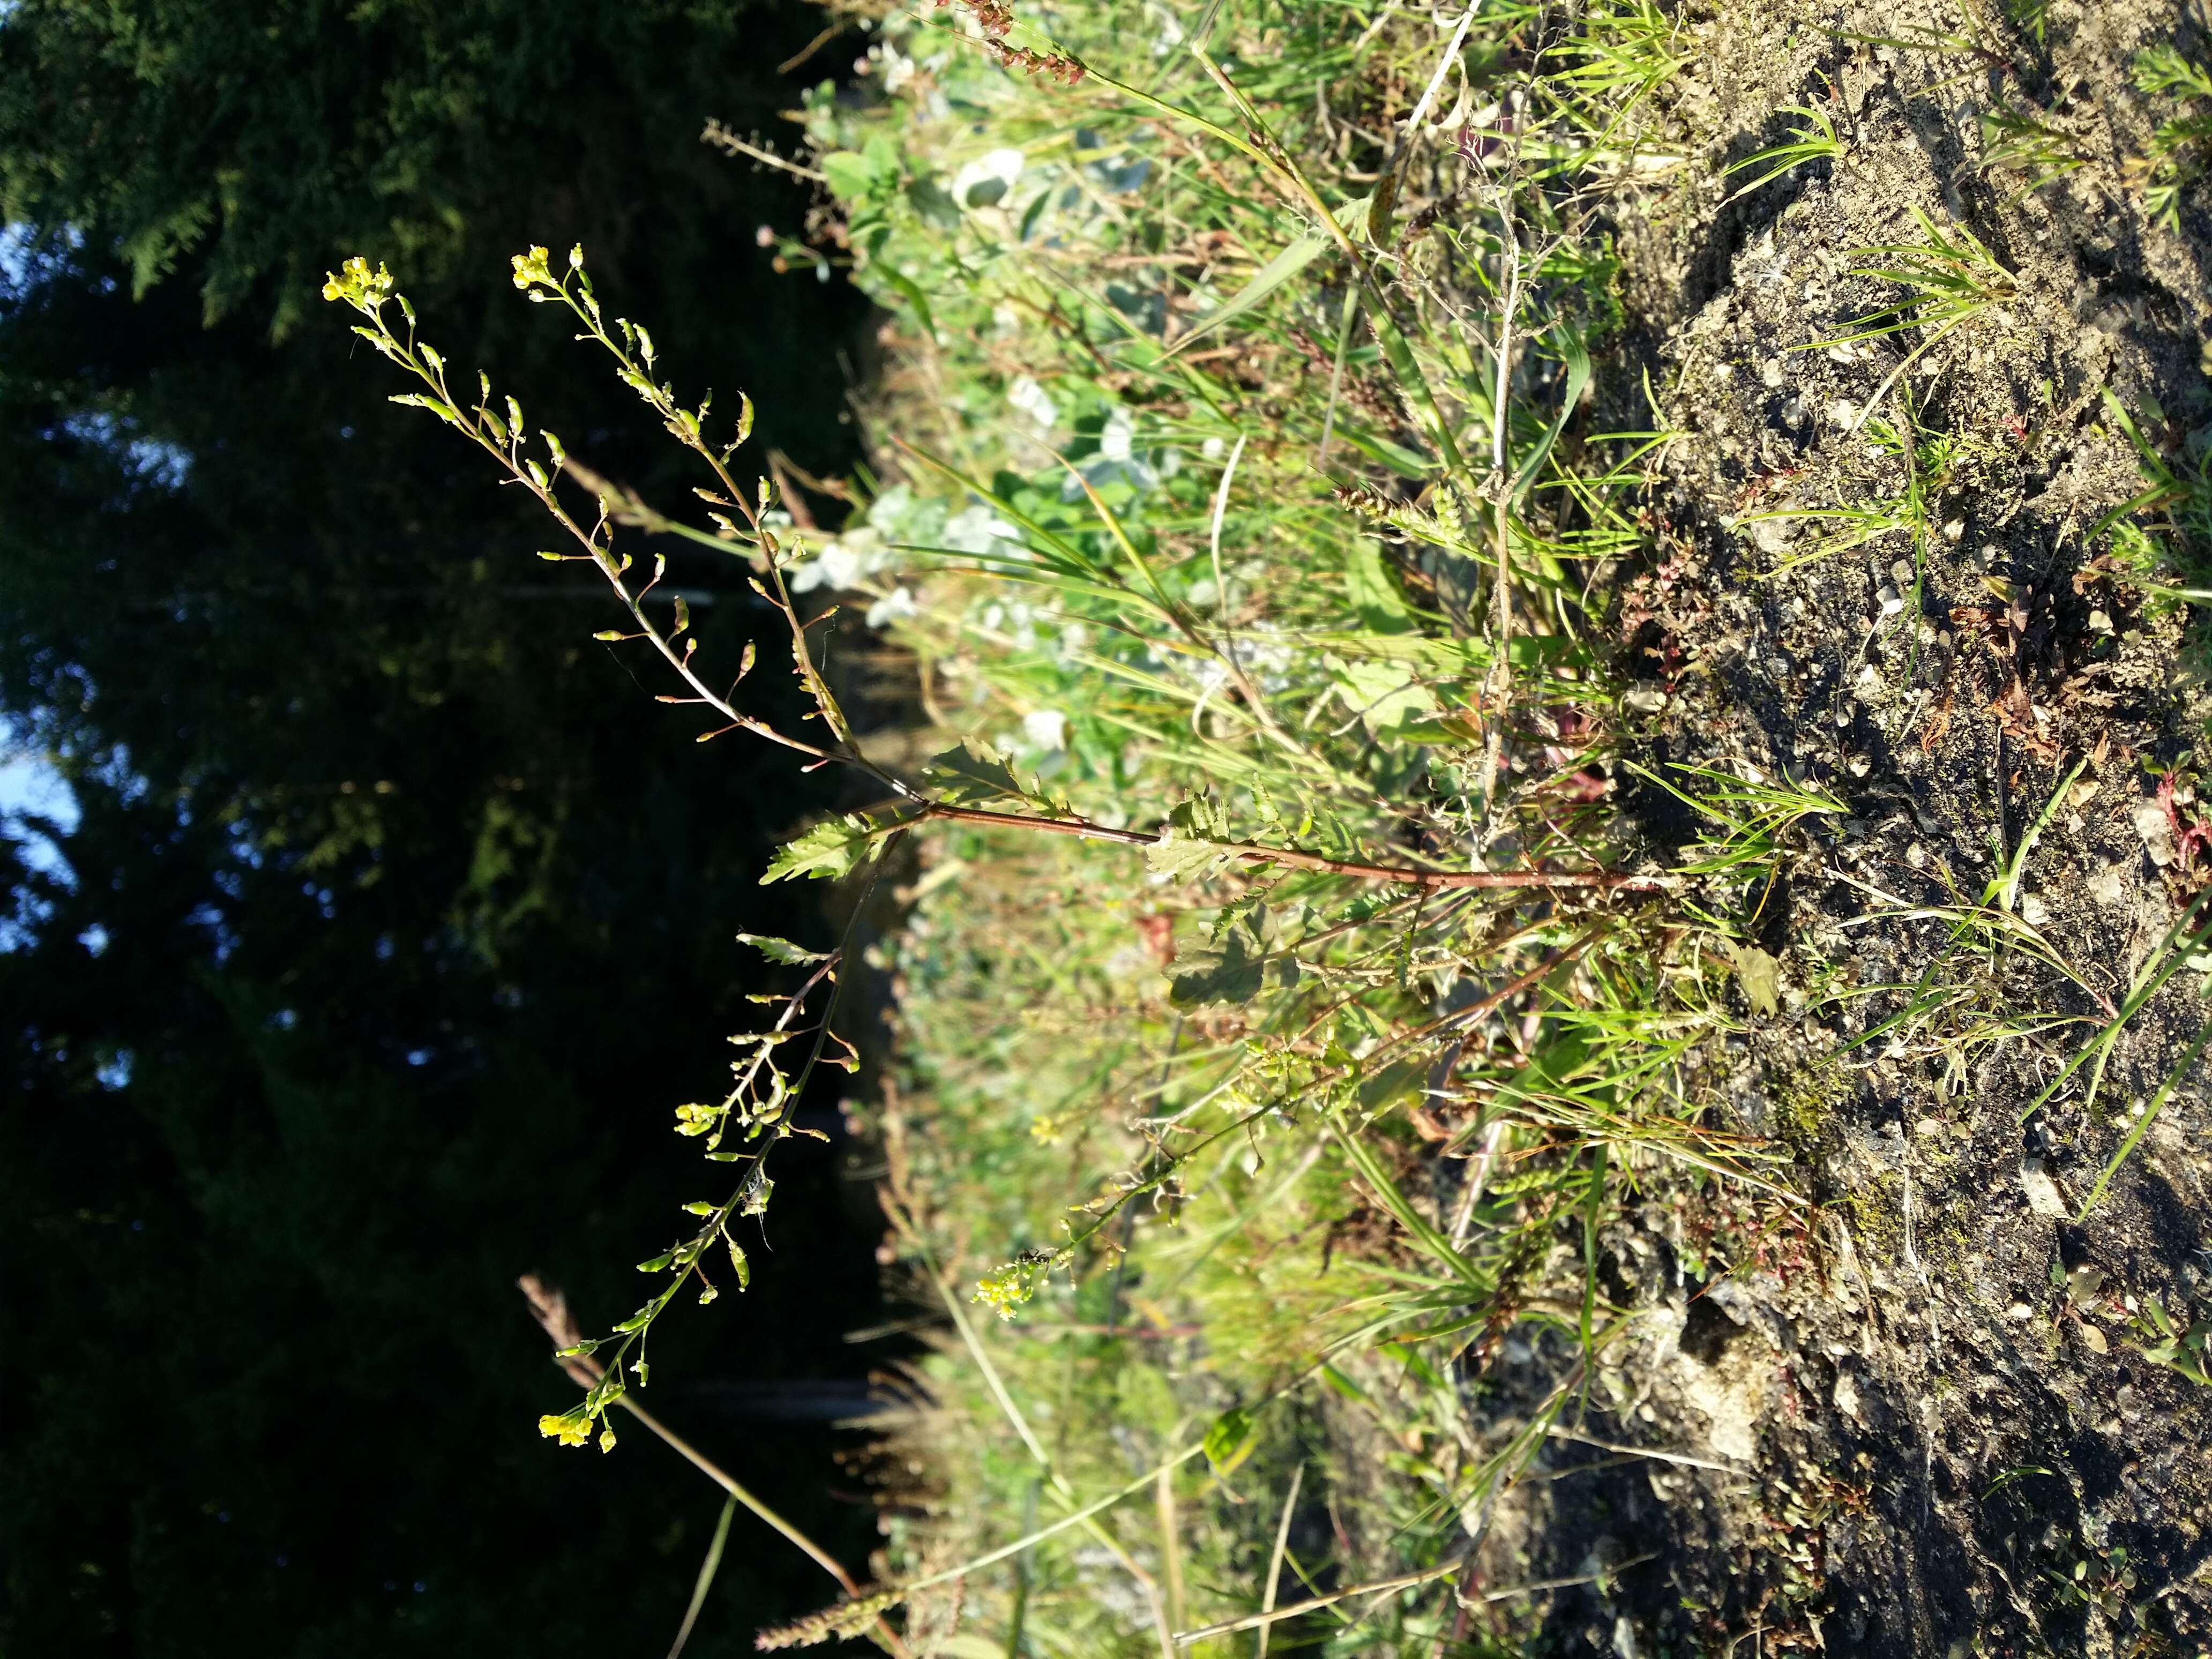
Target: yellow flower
<point x="355" y="284"/>
<point x="569" y="1428"/>
<point x="1004" y="1288"/>
<point x="532" y="269"/>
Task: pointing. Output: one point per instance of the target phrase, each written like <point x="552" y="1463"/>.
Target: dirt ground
<point x="1931" y="1416"/>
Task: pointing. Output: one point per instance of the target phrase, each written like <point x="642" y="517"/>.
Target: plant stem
<point x="551" y="1311"/>
<point x="1297" y="859"/>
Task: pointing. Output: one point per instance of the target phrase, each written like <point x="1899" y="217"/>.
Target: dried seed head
<point x="845" y="1619"/>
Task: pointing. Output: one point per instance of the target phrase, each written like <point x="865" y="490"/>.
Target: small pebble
<point x="2042" y="1191"/>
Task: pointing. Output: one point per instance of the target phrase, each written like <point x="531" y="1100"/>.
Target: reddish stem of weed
<point x="1085" y="830"/>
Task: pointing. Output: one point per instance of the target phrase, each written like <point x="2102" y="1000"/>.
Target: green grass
<point x="1814" y="141"/>
<point x="1149" y="600"/>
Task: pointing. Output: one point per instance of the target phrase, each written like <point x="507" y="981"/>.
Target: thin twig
<point x="1681" y="1459"/>
<point x="723" y="138"/>
<point x="1477" y="1178"/>
<point x="1498" y="684"/>
<point x="812" y="46"/>
<point x="1409" y="1581"/>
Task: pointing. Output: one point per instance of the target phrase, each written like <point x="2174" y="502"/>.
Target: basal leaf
<point x="1382" y="609"/>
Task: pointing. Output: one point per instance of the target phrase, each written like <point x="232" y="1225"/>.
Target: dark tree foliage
<point x="398" y="918"/>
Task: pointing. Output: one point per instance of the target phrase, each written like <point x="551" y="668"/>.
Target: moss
<point x="1877" y="1222"/>
<point x="1805" y="1100"/>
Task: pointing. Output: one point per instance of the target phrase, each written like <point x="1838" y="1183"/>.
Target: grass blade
<point x="706" y="1571"/>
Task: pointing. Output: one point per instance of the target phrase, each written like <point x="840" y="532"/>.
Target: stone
<point x="2042" y="1191"/>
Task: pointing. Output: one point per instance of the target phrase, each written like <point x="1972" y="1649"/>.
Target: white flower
<point x="1047" y="728"/>
<point x="978" y="529"/>
<point x="1171" y="35"/>
<point x="973" y="186"/>
<point x="1114" y="443"/>
<point x="1034" y="401"/>
<point x="843" y="561"/>
<point x="896" y="606"/>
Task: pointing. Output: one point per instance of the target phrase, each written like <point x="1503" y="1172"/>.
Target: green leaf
<point x="1180" y="858"/>
<point x="831" y="849"/>
<point x="1382" y="609"/>
<point x="1339" y="1384"/>
<point x="1392" y="1082"/>
<point x="914" y="296"/>
<point x="1230" y="1440"/>
<point x="738" y="1265"/>
<point x="1382" y="693"/>
<point x="973" y="773"/>
<point x="782" y="949"/>
<point x="934" y="202"/>
<point x="855" y="178"/>
<point x="1189" y="848"/>
<point x="1232" y="971"/>
<point x="1577" y="359"/>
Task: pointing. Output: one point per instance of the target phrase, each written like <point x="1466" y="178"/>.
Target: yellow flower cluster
<point x="535" y="268"/>
<point x="1004" y="1288"/>
<point x="569" y="1428"/>
<point x="356" y="285"/>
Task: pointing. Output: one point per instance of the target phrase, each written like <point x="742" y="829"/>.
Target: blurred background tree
<point x="391" y="919"/>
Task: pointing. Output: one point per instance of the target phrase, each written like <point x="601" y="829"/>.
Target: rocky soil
<point x="1939" y="1413"/>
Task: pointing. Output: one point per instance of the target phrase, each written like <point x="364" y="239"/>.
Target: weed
<point x="2176" y="157"/>
<point x="2036" y="151"/>
<point x="1624" y="51"/>
<point x="2032" y="17"/>
<point x="1815" y="140"/>
<point x="1950" y="281"/>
